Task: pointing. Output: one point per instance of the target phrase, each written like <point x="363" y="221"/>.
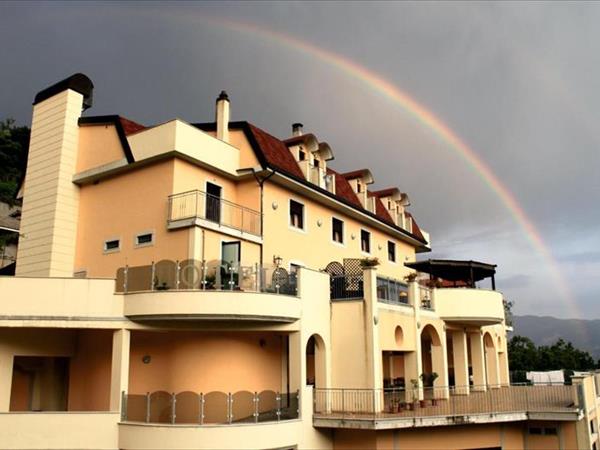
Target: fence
<point x="216" y="275"/>
<point x="199" y="204"/>
<point x="392" y="291"/>
<point x="425" y="298"/>
<point x="346" y="287"/>
<point x="443" y="401"/>
<point x="214" y="407"/>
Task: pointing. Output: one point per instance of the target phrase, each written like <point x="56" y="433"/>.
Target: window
<point x="337" y="230"/>
<point x="301" y="155"/>
<point x="358" y="187"/>
<point x="296" y="214"/>
<point x="365" y="241"/>
<point x="535" y="430"/>
<point x="317" y="163"/>
<point x="213" y="202"/>
<point x="112" y="245"/>
<point x="144" y="239"/>
<point x="391" y="251"/>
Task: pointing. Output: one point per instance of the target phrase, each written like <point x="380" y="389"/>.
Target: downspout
<point x="261" y="182"/>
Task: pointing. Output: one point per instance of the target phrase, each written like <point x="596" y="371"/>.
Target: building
<point x="207" y="285"/>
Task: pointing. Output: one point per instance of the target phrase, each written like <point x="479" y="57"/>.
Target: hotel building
<point x="210" y="286"/>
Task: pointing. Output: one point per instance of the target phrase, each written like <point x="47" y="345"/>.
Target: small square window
<point x="365" y="241"/>
<point x="317" y="163"/>
<point x="551" y="431"/>
<point x="535" y="430"/>
<point x="112" y="245"/>
<point x="337" y="230"/>
<point x="391" y="251"/>
<point x="296" y="214"/>
<point x="144" y="239"/>
<point x="301" y="155"/>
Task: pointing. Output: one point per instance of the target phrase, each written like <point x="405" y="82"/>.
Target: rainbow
<point x="425" y="118"/>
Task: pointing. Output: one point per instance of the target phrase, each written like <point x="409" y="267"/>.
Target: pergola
<point x="468" y="272"/>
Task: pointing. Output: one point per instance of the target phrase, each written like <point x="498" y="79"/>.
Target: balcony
<point x="392" y="291"/>
<point x="407" y="408"/>
<point x="215" y="290"/>
<point x="479" y="307"/>
<point x="211" y="408"/>
<point x="199" y="208"/>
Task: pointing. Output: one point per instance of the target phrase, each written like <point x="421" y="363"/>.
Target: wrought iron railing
<point x="199" y="204"/>
<point x="425" y="298"/>
<point x="215" y="275"/>
<point x="347" y="287"/>
<point x="392" y="291"/>
<point x="444" y="401"/>
<point x="213" y="408"/>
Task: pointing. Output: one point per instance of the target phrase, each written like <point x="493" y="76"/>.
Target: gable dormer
<point x="395" y="203"/>
<point x="311" y="156"/>
<point x="359" y="181"/>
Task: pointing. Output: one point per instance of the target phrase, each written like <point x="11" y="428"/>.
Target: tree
<point x="522" y="354"/>
<point x="14" y="145"/>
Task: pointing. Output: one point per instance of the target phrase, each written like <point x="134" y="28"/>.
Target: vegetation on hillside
<point x="14" y="144"/>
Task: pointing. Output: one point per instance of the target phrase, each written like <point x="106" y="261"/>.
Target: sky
<point x="518" y="83"/>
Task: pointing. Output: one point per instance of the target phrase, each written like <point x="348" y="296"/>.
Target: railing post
<point x="196" y="207"/>
<point x="297" y="403"/>
<point x="201" y="409"/>
<point x="123" y="406"/>
<point x="343" y="403"/>
<point x="229" y="408"/>
<point x="126" y="273"/>
<point x="177" y="272"/>
<point x="152" y="276"/>
<point x="147" y="407"/>
<point x="256" y="400"/>
<point x="257" y="278"/>
<point x="278" y="399"/>
<point x="203" y="278"/>
<point x="173" y="406"/>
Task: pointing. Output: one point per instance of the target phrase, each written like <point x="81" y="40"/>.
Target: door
<point x="213" y="202"/>
<point x="230" y="266"/>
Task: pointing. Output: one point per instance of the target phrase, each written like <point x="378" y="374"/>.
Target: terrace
<point x="405" y="408"/>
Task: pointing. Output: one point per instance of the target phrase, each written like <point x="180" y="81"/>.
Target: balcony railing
<point x="199" y="204"/>
<point x="425" y="298"/>
<point x="211" y="408"/>
<point x="442" y="401"/>
<point x="215" y="275"/>
<point x="347" y="287"/>
<point x="392" y="291"/>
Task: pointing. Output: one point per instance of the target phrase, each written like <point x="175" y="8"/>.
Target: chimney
<point x="222" y="116"/>
<point x="297" y="129"/>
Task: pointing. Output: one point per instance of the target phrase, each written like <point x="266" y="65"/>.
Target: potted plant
<point x="366" y="263"/>
<point x="410" y="277"/>
<point x="415" y="394"/>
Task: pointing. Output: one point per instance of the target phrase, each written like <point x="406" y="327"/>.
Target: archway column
<point x="477" y="361"/>
<point x="460" y="361"/>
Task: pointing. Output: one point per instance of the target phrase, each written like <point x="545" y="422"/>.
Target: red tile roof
<point x="355" y="174"/>
<point x="343" y="188"/>
<point x="386" y="192"/>
<point x="276" y="152"/>
<point x="416" y="230"/>
<point x="382" y="212"/>
<point x="129" y="126"/>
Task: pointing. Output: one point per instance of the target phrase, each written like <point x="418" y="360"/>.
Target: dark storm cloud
<point x="520" y="83"/>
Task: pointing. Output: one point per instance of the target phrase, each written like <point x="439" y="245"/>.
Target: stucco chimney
<point x="297" y="129"/>
<point x="222" y="116"/>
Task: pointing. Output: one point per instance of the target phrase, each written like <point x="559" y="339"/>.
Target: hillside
<point x="545" y="330"/>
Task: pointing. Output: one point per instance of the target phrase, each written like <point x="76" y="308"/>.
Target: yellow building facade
<point x="210" y="286"/>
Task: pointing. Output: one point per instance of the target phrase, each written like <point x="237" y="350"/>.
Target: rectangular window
<point x="365" y="241"/>
<point x="535" y="430"/>
<point x="337" y="230"/>
<point x="301" y="155"/>
<point x="296" y="214"/>
<point x="391" y="251"/>
<point x="144" y="239"/>
<point x="112" y="245"/>
<point x="358" y="187"/>
<point x="317" y="163"/>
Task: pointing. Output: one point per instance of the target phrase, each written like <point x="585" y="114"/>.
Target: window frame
<point x="107" y="250"/>
<point x="343" y="232"/>
<point x="368" y="251"/>
<point x="136" y="242"/>
<point x="395" y="254"/>
<point x="303" y="217"/>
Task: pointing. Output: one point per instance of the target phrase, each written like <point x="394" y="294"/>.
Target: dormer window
<point x="358" y="187"/>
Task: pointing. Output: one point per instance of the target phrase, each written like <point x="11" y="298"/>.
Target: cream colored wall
<point x="59" y="431"/>
<point x="51" y="200"/>
<point x="469" y="304"/>
<point x="187" y="139"/>
<point x="294" y="245"/>
<point x="348" y="337"/>
<point x="204" y="362"/>
<point x="391" y="317"/>
<point x="98" y="145"/>
<point x="139" y="200"/>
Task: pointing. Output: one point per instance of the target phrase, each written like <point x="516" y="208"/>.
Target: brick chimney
<point x="222" y="116"/>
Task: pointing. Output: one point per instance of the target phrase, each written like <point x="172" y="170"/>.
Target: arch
<point x="432" y="358"/>
<point x="431" y="333"/>
<point x="399" y="336"/>
<point x="491" y="361"/>
<point x="334" y="268"/>
<point x="316" y="366"/>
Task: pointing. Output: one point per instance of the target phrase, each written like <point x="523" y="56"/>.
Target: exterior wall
<point x="51" y="200"/>
<point x="98" y="145"/>
<point x="299" y="246"/>
<point x="348" y="336"/>
<point x="141" y="207"/>
<point x="469" y="304"/>
<point x="204" y="362"/>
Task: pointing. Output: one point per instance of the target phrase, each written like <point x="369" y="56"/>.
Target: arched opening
<point x="431" y="358"/>
<point x="315" y="361"/>
<point x="491" y="361"/>
<point x="399" y="336"/>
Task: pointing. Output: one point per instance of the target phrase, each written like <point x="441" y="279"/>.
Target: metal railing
<point x="443" y="401"/>
<point x="425" y="298"/>
<point x="199" y="204"/>
<point x="213" y="408"/>
<point x="392" y="291"/>
<point x="215" y="275"/>
<point x="346" y="287"/>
